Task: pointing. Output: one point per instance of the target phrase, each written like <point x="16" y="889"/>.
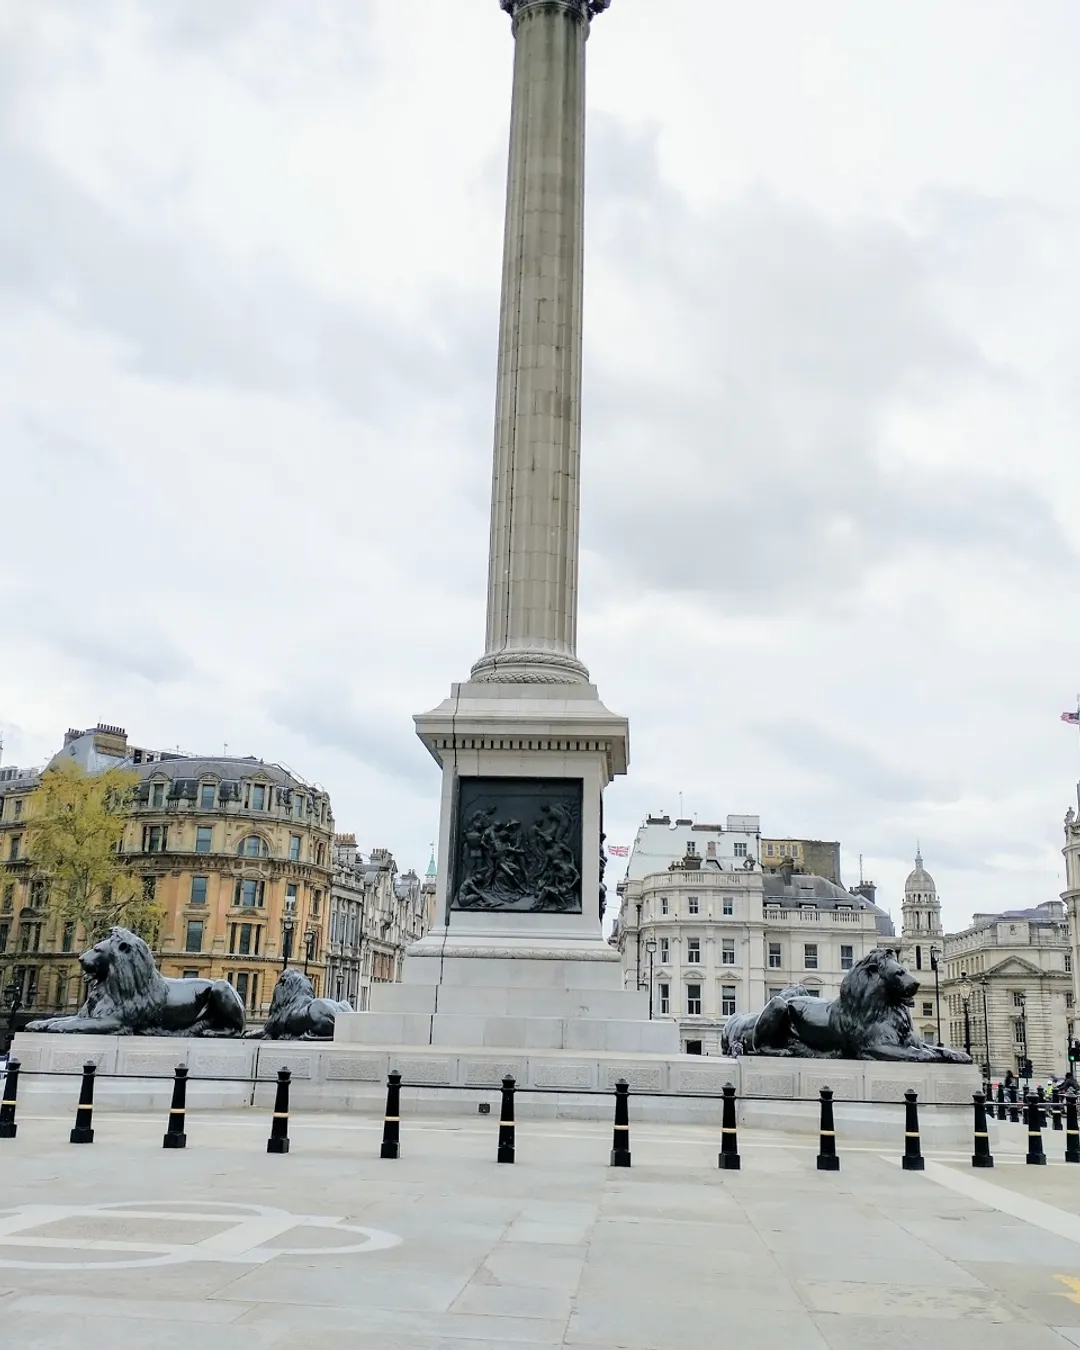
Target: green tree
<point x="74" y="833"/>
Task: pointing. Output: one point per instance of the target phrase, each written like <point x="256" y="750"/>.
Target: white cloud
<point x="248" y="307"/>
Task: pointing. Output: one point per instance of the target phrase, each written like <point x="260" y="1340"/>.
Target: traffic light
<point x="1025" y="1068"/>
<point x="1074" y="1052"/>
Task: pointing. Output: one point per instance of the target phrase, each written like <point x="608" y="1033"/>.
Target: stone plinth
<point x="778" y="1094"/>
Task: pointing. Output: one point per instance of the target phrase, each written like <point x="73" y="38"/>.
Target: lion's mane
<point x="131" y="984"/>
<point x="293" y="995"/>
<point x="869" y="1002"/>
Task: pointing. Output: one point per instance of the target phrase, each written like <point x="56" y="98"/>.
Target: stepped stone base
<point x="572" y="1002"/>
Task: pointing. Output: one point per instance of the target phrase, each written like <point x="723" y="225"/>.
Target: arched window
<point x="253" y="847"/>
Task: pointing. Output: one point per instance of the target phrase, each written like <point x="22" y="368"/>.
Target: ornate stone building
<point x="235" y="852"/>
<point x="710" y="935"/>
<point x="1015" y="972"/>
<point x="921" y="945"/>
<point x="376" y="913"/>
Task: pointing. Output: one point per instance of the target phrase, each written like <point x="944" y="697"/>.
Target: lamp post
<point x="638" y="908"/>
<point x="934" y="954"/>
<point x="650" y="947"/>
<point x="288" y="923"/>
<point x="964" y="990"/>
<point x="309" y="947"/>
<point x="1021" y="1000"/>
<point x="986" y="1032"/>
<point x="13" y="1002"/>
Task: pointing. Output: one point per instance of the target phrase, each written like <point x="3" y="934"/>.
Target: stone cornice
<point x="578" y="9"/>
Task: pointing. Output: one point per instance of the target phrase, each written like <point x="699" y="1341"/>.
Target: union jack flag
<point x="1073" y="719"/>
<point x="623" y="850"/>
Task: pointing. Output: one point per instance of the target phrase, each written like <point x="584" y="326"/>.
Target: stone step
<point x="515" y="1033"/>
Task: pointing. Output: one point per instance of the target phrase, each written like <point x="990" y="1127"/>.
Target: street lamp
<point x="934" y="954"/>
<point x="986" y="1032"/>
<point x="650" y="947"/>
<point x="964" y="990"/>
<point x="309" y="947"/>
<point x="13" y="1002"/>
<point x="288" y="923"/>
<point x="1021" y="1003"/>
<point x="638" y="907"/>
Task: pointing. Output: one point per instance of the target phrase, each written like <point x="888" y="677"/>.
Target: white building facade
<point x="921" y="947"/>
<point x="710" y="936"/>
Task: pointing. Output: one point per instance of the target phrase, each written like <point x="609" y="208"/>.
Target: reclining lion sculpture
<point x="870" y="1019"/>
<point x="128" y="996"/>
<point x="296" y="1014"/>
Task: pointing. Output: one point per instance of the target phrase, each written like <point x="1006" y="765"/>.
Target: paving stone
<point x="650" y="1259"/>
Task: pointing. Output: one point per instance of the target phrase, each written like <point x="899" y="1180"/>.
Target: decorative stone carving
<point x="296" y="1014"/>
<point x="562" y="1075"/>
<point x="354" y="1068"/>
<point x="490" y="1073"/>
<point x="583" y="9"/>
<point x="870" y="1019"/>
<point x="518" y="845"/>
<point x="128" y="996"/>
<point x="438" y="1072"/>
<point x="779" y="1085"/>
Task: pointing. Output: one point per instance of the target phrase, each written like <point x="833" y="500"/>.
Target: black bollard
<point x="1000" y="1102"/>
<point x="729" y="1158"/>
<point x="84" y="1116"/>
<point x="8" y="1127"/>
<point x="391" y="1130"/>
<point x="620" y="1141"/>
<point x="827" y="1161"/>
<point x="1055" y="1110"/>
<point x="1040" y="1092"/>
<point x="279" y="1127"/>
<point x="1072" y="1129"/>
<point x="1014" y="1105"/>
<point x="1035" y="1154"/>
<point x="913" y="1158"/>
<point x="174" y="1135"/>
<point x="506" y="1122"/>
<point x="982" y="1156"/>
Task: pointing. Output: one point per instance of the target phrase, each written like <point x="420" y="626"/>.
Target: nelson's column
<point x="516" y="956"/>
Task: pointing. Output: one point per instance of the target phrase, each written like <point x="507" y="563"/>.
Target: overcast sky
<point x="249" y="269"/>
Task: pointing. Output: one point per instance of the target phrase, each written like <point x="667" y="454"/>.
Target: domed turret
<point x="920" y="884"/>
<point x="921" y="909"/>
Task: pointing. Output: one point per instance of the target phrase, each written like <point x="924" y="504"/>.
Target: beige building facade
<point x="1015" y="973"/>
<point x="236" y="854"/>
<point x="376" y="913"/>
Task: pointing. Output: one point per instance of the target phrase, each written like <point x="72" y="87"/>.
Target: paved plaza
<point x="220" y="1247"/>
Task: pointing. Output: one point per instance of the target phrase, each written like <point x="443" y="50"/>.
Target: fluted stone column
<point x="535" y="493"/>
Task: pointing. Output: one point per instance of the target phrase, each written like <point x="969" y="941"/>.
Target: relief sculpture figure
<point x="128" y="996"/>
<point x="508" y="865"/>
<point x="870" y="1019"/>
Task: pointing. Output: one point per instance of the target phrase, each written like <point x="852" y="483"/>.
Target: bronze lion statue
<point x="128" y="996"/>
<point x="870" y="1019"/>
<point x="296" y="1014"/>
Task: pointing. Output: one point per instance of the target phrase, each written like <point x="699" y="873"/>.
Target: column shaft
<point x="532" y="578"/>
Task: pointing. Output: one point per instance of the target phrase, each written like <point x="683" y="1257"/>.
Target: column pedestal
<point x="540" y="976"/>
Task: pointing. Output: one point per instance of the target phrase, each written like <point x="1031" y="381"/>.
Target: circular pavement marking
<point x="245" y="1234"/>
